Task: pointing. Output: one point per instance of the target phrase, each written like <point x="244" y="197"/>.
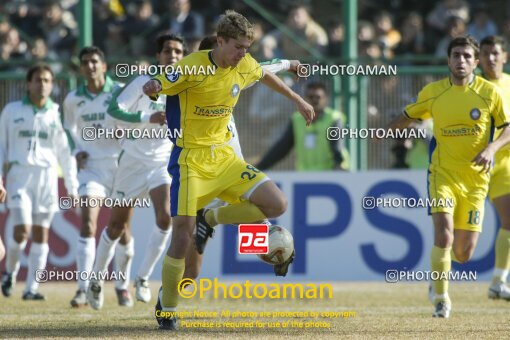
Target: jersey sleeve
<point x="69" y="125"/>
<point x="420" y="109"/>
<point x="124" y="98"/>
<point x="175" y="82"/>
<point x="276" y="65"/>
<point x="500" y="112"/>
<point x="66" y="160"/>
<point x="3" y="140"/>
<point x="251" y="70"/>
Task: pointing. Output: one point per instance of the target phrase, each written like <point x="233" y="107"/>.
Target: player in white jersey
<point x="33" y="143"/>
<point x="193" y="258"/>
<point x="85" y="110"/>
<point x="3" y="195"/>
<point x="142" y="170"/>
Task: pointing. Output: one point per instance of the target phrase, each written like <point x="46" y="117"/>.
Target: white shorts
<point x="33" y="189"/>
<point x="24" y="217"/>
<point x="96" y="180"/>
<point x="134" y="178"/>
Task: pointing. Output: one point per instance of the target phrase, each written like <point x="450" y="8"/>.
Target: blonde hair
<point x="234" y="25"/>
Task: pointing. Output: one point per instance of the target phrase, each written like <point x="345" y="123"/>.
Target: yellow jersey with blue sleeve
<point x="464" y="120"/>
<point x="202" y="164"/>
<point x="206" y="99"/>
<point x="500" y="174"/>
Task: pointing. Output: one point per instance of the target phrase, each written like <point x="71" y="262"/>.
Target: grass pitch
<point x="382" y="310"/>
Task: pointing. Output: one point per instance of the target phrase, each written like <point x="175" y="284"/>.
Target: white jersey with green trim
<point x="131" y="109"/>
<point x="31" y="136"/>
<point x="85" y="110"/>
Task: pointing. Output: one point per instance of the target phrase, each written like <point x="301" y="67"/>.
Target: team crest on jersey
<point x="19" y="120"/>
<point x="475" y="114"/>
<point x="172" y="77"/>
<point x="80" y="104"/>
<point x="235" y="90"/>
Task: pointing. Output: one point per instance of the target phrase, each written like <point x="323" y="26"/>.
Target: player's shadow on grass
<point x="138" y="331"/>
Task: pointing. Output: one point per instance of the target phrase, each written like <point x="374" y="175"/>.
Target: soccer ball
<point x="281" y="246"/>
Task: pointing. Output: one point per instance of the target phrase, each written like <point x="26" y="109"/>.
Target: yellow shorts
<point x="500" y="175"/>
<point x="467" y="190"/>
<point x="200" y="175"/>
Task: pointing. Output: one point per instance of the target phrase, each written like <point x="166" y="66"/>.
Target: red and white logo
<point x="253" y="239"/>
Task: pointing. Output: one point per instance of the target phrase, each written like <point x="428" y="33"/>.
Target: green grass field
<point x="382" y="310"/>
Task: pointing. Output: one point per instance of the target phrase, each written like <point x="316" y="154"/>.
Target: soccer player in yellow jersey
<point x="202" y="164"/>
<point x="493" y="56"/>
<point x="465" y="108"/>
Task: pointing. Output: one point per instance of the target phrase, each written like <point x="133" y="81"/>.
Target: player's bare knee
<point x="40" y="234"/>
<point x="163" y="220"/>
<point x="277" y="207"/>
<point x="88" y="228"/>
<point x="20" y="235"/>
<point x="116" y="229"/>
<point x="283" y="205"/>
<point x="462" y="255"/>
<point x="443" y="239"/>
<point x="181" y="240"/>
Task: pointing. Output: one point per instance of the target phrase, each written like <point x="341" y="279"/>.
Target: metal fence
<point x="386" y="98"/>
<point x="262" y="115"/>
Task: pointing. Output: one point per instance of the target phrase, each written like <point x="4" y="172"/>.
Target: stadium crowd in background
<point x="120" y="27"/>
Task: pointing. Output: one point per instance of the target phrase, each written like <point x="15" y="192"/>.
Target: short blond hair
<point x="234" y="25"/>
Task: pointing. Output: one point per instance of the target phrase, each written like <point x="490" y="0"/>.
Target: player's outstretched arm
<point x="486" y="157"/>
<point x="276" y="84"/>
<point x="67" y="162"/>
<point x="3" y="151"/>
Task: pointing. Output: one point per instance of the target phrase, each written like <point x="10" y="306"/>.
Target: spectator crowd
<point x="35" y="30"/>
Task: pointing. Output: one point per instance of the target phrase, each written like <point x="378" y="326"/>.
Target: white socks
<point x="158" y="242"/>
<point x="14" y="250"/>
<point x="105" y="252"/>
<point x="500" y="274"/>
<point x="85" y="256"/>
<point x="36" y="261"/>
<point x="123" y="260"/>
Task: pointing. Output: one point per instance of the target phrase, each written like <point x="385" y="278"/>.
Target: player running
<point x="33" y="143"/>
<point x="202" y="164"/>
<point x="464" y="108"/>
<point x="142" y="170"/>
<point x="85" y="108"/>
<point x="493" y="56"/>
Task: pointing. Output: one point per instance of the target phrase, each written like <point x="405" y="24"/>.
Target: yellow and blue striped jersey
<point x="464" y="120"/>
